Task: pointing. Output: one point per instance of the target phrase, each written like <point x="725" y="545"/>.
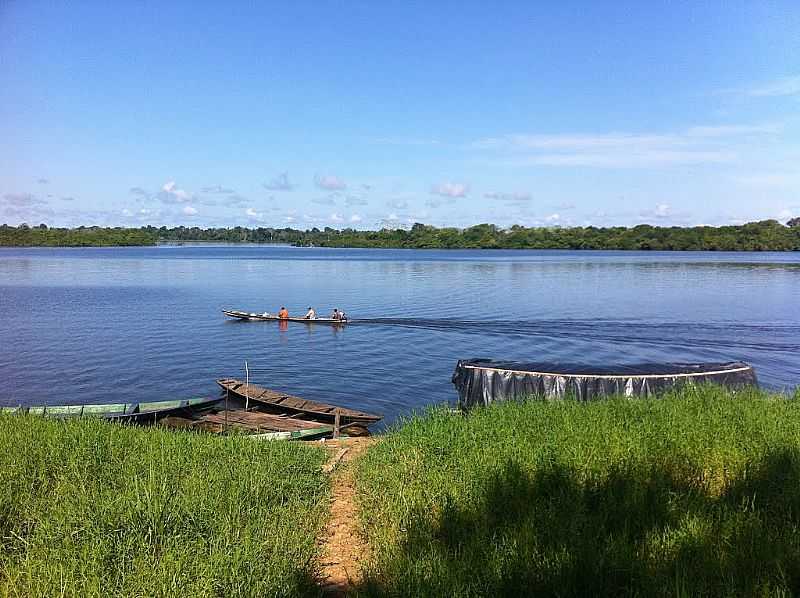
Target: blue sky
<point x="374" y="114"/>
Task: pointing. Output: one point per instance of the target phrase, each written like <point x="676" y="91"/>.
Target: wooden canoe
<point x="286" y="403"/>
<point x="265" y="317"/>
<point x="134" y="412"/>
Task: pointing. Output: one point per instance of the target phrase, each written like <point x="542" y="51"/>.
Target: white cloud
<point x="141" y="193"/>
<point x="508" y="196"/>
<point x="330" y="183"/>
<point x="662" y="210"/>
<point x="253" y="215"/>
<point x="336" y="218"/>
<point x="553" y="218"/>
<point x="22" y="199"/>
<point x="355" y="200"/>
<point x="450" y="189"/>
<point x="170" y="193"/>
<point x="235" y="200"/>
<point x="785" y="86"/>
<point x="189" y="211"/>
<point x="279" y="183"/>
<point x="355" y="218"/>
<point x="217" y="189"/>
<point x="695" y="145"/>
<point x="637" y="159"/>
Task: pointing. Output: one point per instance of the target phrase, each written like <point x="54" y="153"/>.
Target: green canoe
<point x="138" y="412"/>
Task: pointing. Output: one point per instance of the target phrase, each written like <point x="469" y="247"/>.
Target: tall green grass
<point x="695" y="493"/>
<point x="89" y="508"/>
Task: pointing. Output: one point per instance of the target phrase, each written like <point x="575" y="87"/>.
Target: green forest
<point x="766" y="235"/>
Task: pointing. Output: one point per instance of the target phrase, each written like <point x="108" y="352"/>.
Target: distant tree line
<point x="83" y="236"/>
<point x="766" y="235"/>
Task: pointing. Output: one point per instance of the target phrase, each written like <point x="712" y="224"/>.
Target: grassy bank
<point x="694" y="494"/>
<point x="91" y="508"/>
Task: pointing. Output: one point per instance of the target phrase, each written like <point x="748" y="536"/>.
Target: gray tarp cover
<point x="483" y="381"/>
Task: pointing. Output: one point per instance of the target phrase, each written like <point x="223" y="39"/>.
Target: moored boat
<point x="141" y="412"/>
<point x="289" y="404"/>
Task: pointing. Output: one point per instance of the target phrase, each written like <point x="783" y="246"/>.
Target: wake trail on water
<point x="717" y="334"/>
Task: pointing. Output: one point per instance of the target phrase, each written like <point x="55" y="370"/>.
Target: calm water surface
<point x="127" y="324"/>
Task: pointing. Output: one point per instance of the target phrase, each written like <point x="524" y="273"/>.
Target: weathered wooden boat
<point x="257" y="422"/>
<point x="266" y="317"/>
<point x="141" y="412"/>
<point x="284" y="403"/>
<point x="484" y="381"/>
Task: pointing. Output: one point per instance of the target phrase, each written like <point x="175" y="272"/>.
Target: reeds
<point x="93" y="508"/>
<point x="694" y="493"/>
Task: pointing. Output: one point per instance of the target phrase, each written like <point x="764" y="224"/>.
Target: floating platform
<point x="484" y="381"/>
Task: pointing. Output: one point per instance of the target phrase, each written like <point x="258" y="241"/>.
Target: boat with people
<point x="268" y="317"/>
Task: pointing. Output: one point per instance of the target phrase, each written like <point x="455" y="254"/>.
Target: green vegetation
<point x="89" y="508"/>
<point x="93" y="236"/>
<point x="767" y="235"/>
<point x="697" y="493"/>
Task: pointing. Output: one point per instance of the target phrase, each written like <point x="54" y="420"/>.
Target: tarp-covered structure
<point x="484" y="381"/>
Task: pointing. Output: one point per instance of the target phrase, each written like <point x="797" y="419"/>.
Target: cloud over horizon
<point x="705" y="144"/>
<point x="450" y="189"/>
<point x="330" y="183"/>
<point x="279" y="183"/>
<point x="170" y="193"/>
<point x="507" y="196"/>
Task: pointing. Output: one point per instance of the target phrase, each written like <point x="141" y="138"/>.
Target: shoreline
<point x="536" y="489"/>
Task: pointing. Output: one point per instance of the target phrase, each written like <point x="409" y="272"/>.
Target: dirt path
<point x="343" y="549"/>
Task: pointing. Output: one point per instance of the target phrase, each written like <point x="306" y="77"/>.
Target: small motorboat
<point x="267" y="317"/>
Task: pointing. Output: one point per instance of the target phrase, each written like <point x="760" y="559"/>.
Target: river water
<point x="127" y="324"/>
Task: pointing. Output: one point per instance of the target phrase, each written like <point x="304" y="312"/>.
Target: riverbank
<point x="694" y="493"/>
<point x="766" y="235"/>
<point x="90" y="508"/>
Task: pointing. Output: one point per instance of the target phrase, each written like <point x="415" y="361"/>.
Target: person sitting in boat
<point x="335" y="315"/>
<point x="283" y="313"/>
<point x="342" y="316"/>
<point x="311" y="314"/>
